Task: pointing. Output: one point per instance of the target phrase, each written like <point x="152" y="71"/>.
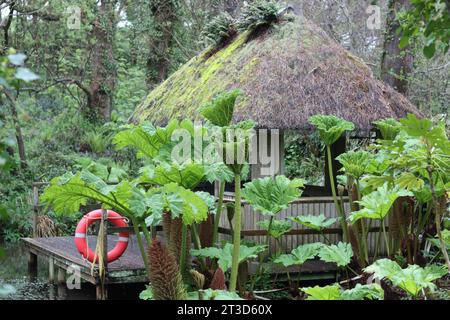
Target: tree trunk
<point x="6" y="26"/>
<point x="396" y="63"/>
<point x="103" y="64"/>
<point x="18" y="129"/>
<point x="158" y="62"/>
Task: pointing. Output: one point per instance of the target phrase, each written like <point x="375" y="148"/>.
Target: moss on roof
<point x="288" y="73"/>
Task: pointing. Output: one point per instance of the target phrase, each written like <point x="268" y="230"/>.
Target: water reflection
<point x="15" y="285"/>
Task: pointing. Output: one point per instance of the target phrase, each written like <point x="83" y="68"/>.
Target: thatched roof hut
<point x="288" y="73"/>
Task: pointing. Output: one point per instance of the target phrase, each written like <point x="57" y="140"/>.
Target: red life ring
<point x="90" y="218"/>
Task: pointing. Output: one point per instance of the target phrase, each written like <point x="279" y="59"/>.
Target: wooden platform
<point x="62" y="253"/>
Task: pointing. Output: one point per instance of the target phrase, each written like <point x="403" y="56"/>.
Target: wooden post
<point x="61" y="279"/>
<point x="101" y="293"/>
<point x="101" y="290"/>
<point x="104" y="220"/>
<point x="32" y="266"/>
<point x="51" y="271"/>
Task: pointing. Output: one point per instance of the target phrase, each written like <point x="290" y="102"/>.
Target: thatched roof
<point x="288" y="73"/>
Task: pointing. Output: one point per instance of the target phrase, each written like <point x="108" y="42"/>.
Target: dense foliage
<point x="67" y="123"/>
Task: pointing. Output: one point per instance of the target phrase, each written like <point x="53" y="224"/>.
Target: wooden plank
<point x="32" y="266"/>
<point x="229" y="197"/>
<point x="255" y="233"/>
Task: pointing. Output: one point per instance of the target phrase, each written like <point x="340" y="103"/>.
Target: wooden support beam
<point x="32" y="266"/>
<point x="61" y="280"/>
<point x="101" y="292"/>
<point x="100" y="287"/>
<point x="51" y="271"/>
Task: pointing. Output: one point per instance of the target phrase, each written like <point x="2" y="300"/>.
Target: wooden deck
<point x="63" y="258"/>
<point x="62" y="254"/>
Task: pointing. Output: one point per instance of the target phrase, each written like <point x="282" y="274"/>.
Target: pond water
<point x="15" y="285"/>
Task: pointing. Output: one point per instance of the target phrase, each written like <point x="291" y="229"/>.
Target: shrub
<point x="220" y="29"/>
<point x="259" y="13"/>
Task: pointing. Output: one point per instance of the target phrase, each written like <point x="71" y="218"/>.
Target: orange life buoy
<point x="90" y="218"/>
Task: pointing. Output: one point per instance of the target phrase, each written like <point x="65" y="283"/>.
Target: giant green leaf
<point x="277" y="227"/>
<point x="335" y="292"/>
<point x="66" y="197"/>
<point x="220" y="110"/>
<point x="224" y="255"/>
<point x="271" y="195"/>
<point x="110" y="173"/>
<point x="188" y="175"/>
<point x="193" y="210"/>
<point x="412" y="279"/>
<point x="377" y="204"/>
<point x="364" y="292"/>
<point x="332" y="292"/>
<point x="300" y="255"/>
<point x="355" y="162"/>
<point x="318" y="222"/>
<point x="383" y="268"/>
<point x="330" y="127"/>
<point x="410" y="182"/>
<point x="341" y="254"/>
<point x="389" y="128"/>
<point x="145" y="138"/>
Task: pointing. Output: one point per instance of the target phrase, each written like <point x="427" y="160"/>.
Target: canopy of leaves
<point x="355" y="162"/>
<point x="377" y="204"/>
<point x="318" y="222"/>
<point x="404" y="161"/>
<point x="299" y="255"/>
<point x="428" y="18"/>
<point x="341" y="254"/>
<point x="330" y="127"/>
<point x="224" y="255"/>
<point x="271" y="195"/>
